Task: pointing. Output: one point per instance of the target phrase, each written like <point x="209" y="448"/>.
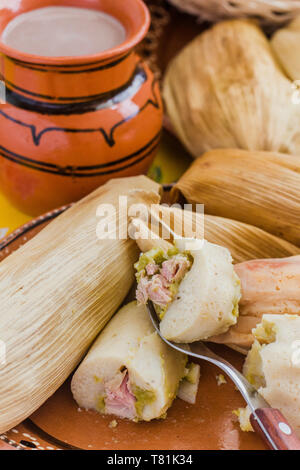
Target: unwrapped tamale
<point x="272" y="366"/>
<point x="129" y="371"/>
<point x="245" y="243"/>
<point x="193" y="286"/>
<point x="269" y="286"/>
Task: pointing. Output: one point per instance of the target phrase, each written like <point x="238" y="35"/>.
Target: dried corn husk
<point x="56" y="293"/>
<point x="285" y="43"/>
<point x="266" y="11"/>
<point x="259" y="188"/>
<point x="225" y="90"/>
<point x="244" y="241"/>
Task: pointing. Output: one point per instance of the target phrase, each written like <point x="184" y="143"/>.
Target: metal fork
<point x="267" y="421"/>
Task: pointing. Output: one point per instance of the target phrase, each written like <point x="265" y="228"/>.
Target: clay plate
<point x="59" y="424"/>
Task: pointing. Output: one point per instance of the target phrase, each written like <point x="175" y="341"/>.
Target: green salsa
<point x="158" y="256"/>
<point x="143" y="398"/>
<point x="100" y="403"/>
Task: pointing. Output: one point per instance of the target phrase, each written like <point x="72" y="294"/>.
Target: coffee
<point x="63" y="31"/>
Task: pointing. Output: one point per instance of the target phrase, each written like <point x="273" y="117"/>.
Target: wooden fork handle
<point x="281" y="433"/>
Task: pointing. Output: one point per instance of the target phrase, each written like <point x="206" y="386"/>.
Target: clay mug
<point x="71" y="123"/>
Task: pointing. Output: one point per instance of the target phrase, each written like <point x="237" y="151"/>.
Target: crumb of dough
<point x="221" y="380"/>
<point x="243" y="415"/>
<point x="113" y="424"/>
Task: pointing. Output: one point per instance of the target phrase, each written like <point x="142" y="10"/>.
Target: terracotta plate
<point x="59" y="424"/>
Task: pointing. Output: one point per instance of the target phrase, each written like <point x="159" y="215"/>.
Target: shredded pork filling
<point x="120" y="401"/>
<point x="156" y="282"/>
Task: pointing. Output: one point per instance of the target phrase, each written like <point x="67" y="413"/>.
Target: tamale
<point x="272" y="365"/>
<point x="226" y="90"/>
<point x="267" y="12"/>
<point x="258" y="188"/>
<point x="129" y="371"/>
<point x="269" y="286"/>
<point x="193" y="286"/>
<point x="285" y="44"/>
<point x="245" y="242"/>
<point x="57" y="292"/>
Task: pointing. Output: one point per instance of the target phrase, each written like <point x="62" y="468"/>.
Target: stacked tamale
<point x="226" y="89"/>
<point x="257" y="188"/>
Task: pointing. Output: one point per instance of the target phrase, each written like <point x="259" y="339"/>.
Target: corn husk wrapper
<point x="285" y="44"/>
<point x="226" y="90"/>
<point x="245" y="242"/>
<point x="56" y="293"/>
<point x="269" y="12"/>
<point x="259" y="188"/>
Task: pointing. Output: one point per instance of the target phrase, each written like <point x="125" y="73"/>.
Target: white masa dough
<point x="273" y="364"/>
<point x="207" y="300"/>
<point x="129" y="341"/>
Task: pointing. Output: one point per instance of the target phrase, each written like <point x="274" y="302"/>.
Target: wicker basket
<point x="271" y="12"/>
<point x="149" y="47"/>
